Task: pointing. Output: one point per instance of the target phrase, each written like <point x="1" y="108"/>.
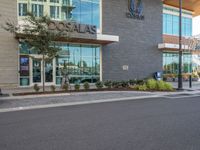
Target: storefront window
<point x="171" y="62"/>
<point x="83" y="63"/>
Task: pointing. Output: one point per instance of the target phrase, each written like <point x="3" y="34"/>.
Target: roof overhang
<point x="175" y="48"/>
<point x="101" y="39"/>
<point x="191" y="5"/>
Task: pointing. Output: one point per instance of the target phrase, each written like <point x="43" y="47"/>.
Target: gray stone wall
<point x="8" y="45"/>
<point x="138" y="40"/>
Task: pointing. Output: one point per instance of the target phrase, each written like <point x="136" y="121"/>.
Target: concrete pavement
<point x="149" y="124"/>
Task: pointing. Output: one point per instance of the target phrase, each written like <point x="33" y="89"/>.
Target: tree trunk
<point x="43" y="73"/>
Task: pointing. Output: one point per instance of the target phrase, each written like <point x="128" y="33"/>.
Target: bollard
<point x="190" y="81"/>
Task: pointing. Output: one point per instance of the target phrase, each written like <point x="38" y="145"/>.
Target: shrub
<point x="77" y="86"/>
<point x="65" y="87"/>
<point x="151" y="84"/>
<point x="142" y="87"/>
<point x="99" y="85"/>
<point x="86" y="86"/>
<point x="160" y="85"/>
<point x="36" y="87"/>
<point x="195" y="76"/>
<point x="132" y="82"/>
<point x="124" y="84"/>
<point x="53" y="88"/>
<point x="140" y="82"/>
<point x="108" y="84"/>
<point x="168" y="87"/>
<point x="116" y="84"/>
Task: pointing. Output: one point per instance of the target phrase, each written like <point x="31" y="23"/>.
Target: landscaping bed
<point x="149" y="85"/>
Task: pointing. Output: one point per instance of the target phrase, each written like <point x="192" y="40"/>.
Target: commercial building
<point x="128" y="40"/>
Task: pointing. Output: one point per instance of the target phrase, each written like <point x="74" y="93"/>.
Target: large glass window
<point x="86" y="12"/>
<point x="38" y="10"/>
<point x="171" y="25"/>
<point x="55" y="12"/>
<point x="82" y="61"/>
<point x="80" y="11"/>
<point x="22" y="8"/>
<point x="170" y="63"/>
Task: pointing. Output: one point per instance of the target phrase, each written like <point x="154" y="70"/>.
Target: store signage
<point x="72" y="27"/>
<point x="135" y="8"/>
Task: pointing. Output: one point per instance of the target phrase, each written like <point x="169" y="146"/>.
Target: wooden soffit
<point x="191" y="5"/>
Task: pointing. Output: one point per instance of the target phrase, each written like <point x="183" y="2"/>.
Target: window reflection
<point x="83" y="63"/>
<point x="171" y="62"/>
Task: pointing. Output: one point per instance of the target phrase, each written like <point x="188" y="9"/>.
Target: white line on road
<point x="75" y="103"/>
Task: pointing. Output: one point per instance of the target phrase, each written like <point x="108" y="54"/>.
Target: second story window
<point x="37" y="10"/>
<point x="54" y="1"/>
<point x="54" y="12"/>
<point x="171" y="25"/>
<point x="22" y="8"/>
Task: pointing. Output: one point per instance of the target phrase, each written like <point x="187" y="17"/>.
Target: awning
<point x="175" y="47"/>
<point x="102" y="39"/>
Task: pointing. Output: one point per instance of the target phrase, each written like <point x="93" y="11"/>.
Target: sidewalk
<point x="195" y="85"/>
<point x="17" y="103"/>
<point x="35" y="102"/>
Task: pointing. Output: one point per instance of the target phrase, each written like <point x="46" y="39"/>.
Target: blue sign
<point x="135" y="8"/>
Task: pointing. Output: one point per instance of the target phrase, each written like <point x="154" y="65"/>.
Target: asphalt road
<point x="150" y="124"/>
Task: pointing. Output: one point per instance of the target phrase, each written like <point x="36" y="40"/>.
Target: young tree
<point x="37" y="35"/>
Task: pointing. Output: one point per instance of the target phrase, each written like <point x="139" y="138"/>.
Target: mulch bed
<point x="70" y="91"/>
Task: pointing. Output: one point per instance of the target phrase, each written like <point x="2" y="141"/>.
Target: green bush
<point x="151" y="84"/>
<point x="53" y="88"/>
<point x="77" y="86"/>
<point x="86" y="86"/>
<point x="99" y="85"/>
<point x="124" y="84"/>
<point x="108" y="84"/>
<point x="142" y="87"/>
<point x="168" y="87"/>
<point x="132" y="82"/>
<point x="160" y="85"/>
<point x="140" y="82"/>
<point x="65" y="87"/>
<point x="116" y="84"/>
<point x="36" y="87"/>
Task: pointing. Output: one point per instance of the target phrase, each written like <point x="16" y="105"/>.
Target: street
<point x="145" y="124"/>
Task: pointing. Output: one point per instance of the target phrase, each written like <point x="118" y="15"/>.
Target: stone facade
<point x="139" y="39"/>
<point x="8" y="45"/>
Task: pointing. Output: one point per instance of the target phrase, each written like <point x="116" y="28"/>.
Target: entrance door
<point x="37" y="71"/>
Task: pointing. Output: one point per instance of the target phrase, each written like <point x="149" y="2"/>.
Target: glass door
<point x="49" y="72"/>
<point x="37" y="71"/>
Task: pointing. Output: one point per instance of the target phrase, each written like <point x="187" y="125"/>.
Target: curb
<point x="76" y="103"/>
